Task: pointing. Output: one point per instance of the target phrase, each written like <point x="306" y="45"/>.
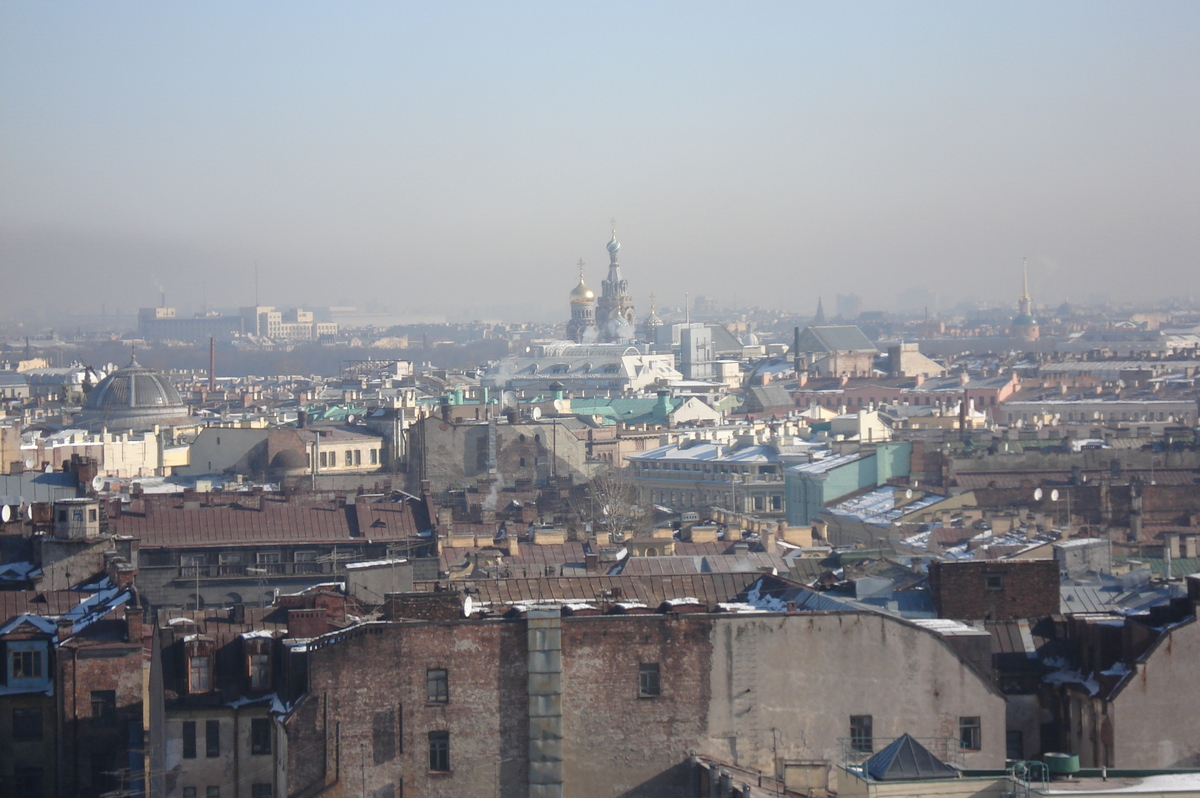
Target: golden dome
<point x="582" y="293"/>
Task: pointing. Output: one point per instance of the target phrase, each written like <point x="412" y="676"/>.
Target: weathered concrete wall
<point x="785" y="686"/>
<point x="456" y="455"/>
<point x="1155" y="719"/>
<point x="748" y="689"/>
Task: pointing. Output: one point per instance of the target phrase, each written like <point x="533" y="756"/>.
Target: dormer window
<point x="260" y="671"/>
<point x="27" y="665"/>
<point x="199" y="674"/>
<point x="199" y="658"/>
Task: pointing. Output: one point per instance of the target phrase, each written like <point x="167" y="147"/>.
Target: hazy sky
<point x="438" y="154"/>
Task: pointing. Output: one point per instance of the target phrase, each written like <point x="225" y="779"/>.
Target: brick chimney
<point x="63" y="628"/>
<point x="133" y="623"/>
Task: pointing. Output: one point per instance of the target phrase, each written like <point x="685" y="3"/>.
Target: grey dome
<point x="134" y="397"/>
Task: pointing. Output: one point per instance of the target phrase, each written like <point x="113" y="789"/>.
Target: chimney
<point x="133" y="623"/>
<point x="514" y="547"/>
<point x="63" y="628"/>
<point x="768" y="542"/>
<point x="237" y="614"/>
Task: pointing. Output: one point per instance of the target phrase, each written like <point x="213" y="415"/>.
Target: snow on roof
<point x="257" y="633"/>
<point x="351" y="566"/>
<point x="824" y="464"/>
<point x="879" y="506"/>
<point x="738" y="606"/>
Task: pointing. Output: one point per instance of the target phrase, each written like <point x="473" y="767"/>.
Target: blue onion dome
<point x="614" y="246"/>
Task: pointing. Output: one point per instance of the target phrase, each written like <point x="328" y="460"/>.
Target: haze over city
<point x="442" y="156"/>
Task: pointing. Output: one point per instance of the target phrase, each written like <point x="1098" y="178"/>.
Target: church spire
<point x="820" y="317"/>
<point x="1025" y="280"/>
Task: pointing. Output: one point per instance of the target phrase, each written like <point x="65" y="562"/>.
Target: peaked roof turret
<point x="907" y="760"/>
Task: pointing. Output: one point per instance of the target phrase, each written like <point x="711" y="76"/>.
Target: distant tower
<point x="1025" y="326"/>
<point x="582" y="326"/>
<point x="819" y="320"/>
<point x="651" y="324"/>
<point x="614" y="311"/>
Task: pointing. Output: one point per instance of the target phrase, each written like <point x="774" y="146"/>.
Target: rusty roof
<point x="164" y="523"/>
<point x="46" y="603"/>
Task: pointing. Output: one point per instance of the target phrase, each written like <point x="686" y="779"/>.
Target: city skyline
<point x="435" y="159"/>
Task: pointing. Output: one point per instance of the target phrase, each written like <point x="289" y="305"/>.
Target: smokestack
<point x="212" y="364"/>
<point x="163" y="302"/>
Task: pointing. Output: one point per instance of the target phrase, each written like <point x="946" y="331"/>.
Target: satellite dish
<point x="1054" y="495"/>
<point x="29" y="512"/>
<point x="908" y="493"/>
<point x="5" y="513"/>
<point x="350" y="419"/>
<point x="536" y="412"/>
<point x="1037" y="495"/>
<point x="97" y="482"/>
<point x="915" y="483"/>
<point x="49" y="469"/>
<point x="29" y="462"/>
<point x="468" y="606"/>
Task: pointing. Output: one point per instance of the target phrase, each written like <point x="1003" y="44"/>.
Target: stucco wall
<point x="800" y="678"/>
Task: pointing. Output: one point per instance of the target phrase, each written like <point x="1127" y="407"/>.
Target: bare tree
<point x="613" y="505"/>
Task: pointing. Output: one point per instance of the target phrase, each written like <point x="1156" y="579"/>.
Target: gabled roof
<point x="823" y="340"/>
<point x="907" y="760"/>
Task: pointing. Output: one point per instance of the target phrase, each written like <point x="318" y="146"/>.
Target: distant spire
<point x="1025" y="280"/>
<point x="581" y="270"/>
<point x="820" y="317"/>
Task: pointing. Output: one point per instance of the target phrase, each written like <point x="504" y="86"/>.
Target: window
<point x="92" y="515"/>
<point x="104" y="707"/>
<point x="439" y="751"/>
<point x="260" y="671"/>
<point x="260" y="736"/>
<point x="27" y="723"/>
<point x="648" y="680"/>
<point x="27" y="781"/>
<point x="27" y="664"/>
<point x="324" y="459"/>
<point x="189" y="792"/>
<point x="212" y="792"/>
<point x="198" y="674"/>
<point x="306" y="562"/>
<point x="374" y="456"/>
<point x="995" y="581"/>
<point x="260" y="791"/>
<point x="358" y="457"/>
<point x="189" y="739"/>
<point x="192" y="565"/>
<point x="349" y="457"/>
<point x="230" y="563"/>
<point x="861" y="738"/>
<point x="968" y="734"/>
<point x="212" y="739"/>
<point x="437" y="683"/>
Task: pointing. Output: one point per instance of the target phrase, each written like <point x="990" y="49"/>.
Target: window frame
<point x="260" y="736"/>
<point x="437" y="686"/>
<point x="439" y="751"/>
<point x="188" y="737"/>
<point x="212" y="739"/>
<point x="970" y="733"/>
<point x="104" y="709"/>
<point x="35" y="669"/>
<point x="649" y="680"/>
<point x="860" y="741"/>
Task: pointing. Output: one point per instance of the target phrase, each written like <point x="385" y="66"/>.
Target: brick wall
<point x="996" y="591"/>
